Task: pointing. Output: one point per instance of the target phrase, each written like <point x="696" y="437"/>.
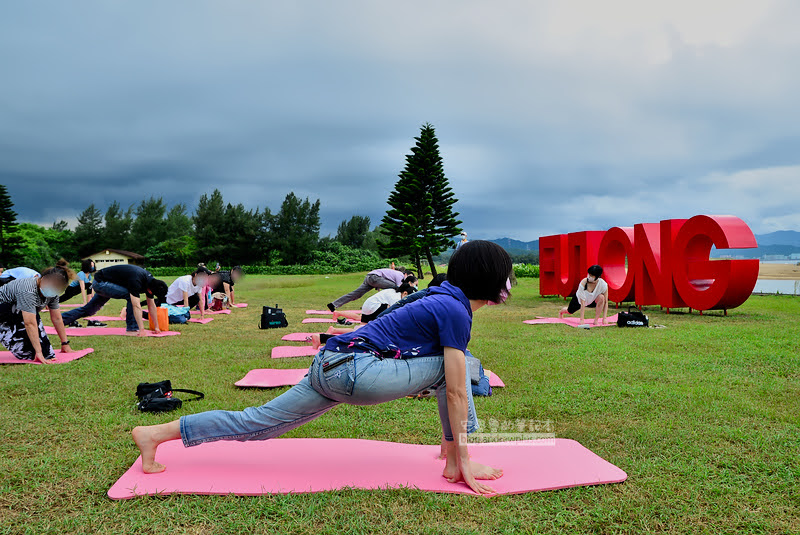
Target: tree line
<point x="419" y="225"/>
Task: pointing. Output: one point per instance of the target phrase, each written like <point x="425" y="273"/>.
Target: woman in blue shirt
<point x="82" y="284"/>
<point x="419" y="346"/>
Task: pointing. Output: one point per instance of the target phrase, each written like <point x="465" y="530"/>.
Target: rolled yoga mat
<point x="104" y="331"/>
<point x="572" y="322"/>
<point x="299" y="465"/>
<point x="7" y="358"/>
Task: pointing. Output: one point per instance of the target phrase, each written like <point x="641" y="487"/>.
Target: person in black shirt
<point x="123" y="281"/>
<point x="227" y="280"/>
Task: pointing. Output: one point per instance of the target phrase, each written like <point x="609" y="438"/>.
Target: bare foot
<point x="315" y="341"/>
<point x="481" y="471"/>
<point x="145" y="439"/>
<point x="561" y="314"/>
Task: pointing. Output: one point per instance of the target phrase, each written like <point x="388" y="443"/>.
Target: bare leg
<point x="353" y="316"/>
<point x="315" y="341"/>
<point x="562" y="312"/>
<point x="600" y="306"/>
<point x="340" y="330"/>
<point x="148" y="438"/>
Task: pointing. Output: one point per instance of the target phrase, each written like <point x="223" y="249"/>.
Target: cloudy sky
<point x="553" y="116"/>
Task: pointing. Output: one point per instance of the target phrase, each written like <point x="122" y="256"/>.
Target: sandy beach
<point x="779" y="271"/>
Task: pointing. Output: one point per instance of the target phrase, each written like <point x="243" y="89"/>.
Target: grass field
<point x="702" y="415"/>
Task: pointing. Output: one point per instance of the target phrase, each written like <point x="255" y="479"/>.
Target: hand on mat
<point x="157" y="331"/>
<point x="67" y="349"/>
<point x="39" y="357"/>
<point x="141" y="332"/>
<point x="470" y="472"/>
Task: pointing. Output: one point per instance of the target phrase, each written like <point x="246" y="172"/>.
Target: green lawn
<point x="703" y="416"/>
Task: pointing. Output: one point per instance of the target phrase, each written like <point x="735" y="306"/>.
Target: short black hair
<point x="158" y="288"/>
<point x="410" y="278"/>
<point x="201" y="269"/>
<point x="86" y="265"/>
<point x="595" y="271"/>
<point x="237" y="268"/>
<point x="481" y="269"/>
<point x="405" y="287"/>
<point x="437" y="280"/>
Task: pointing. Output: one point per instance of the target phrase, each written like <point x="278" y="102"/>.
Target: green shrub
<point x="526" y="270"/>
<point x="333" y="258"/>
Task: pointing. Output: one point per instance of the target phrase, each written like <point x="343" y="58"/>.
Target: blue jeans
<point x="352" y="378"/>
<point x="103" y="293"/>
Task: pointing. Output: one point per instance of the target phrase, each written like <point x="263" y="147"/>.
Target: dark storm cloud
<point x="550" y="118"/>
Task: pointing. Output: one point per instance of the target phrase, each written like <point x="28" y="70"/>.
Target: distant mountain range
<point x="781" y="242"/>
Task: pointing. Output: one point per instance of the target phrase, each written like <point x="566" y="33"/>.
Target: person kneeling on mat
<point x="128" y="282"/>
<point x="21" y="300"/>
<point x="188" y="290"/>
<point x="592" y="292"/>
<point x="420" y="346"/>
<point x="376" y="304"/>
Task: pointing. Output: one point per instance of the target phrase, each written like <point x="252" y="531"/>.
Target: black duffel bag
<point x="632" y="318"/>
<point x="272" y="318"/>
<point x="157" y="397"/>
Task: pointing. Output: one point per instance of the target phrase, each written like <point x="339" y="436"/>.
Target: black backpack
<point x="632" y="318"/>
<point x="272" y="318"/>
<point x="157" y="397"/>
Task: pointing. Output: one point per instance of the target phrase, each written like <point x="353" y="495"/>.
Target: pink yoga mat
<point x="223" y="311"/>
<point x="328" y="312"/>
<point x="494" y="380"/>
<point x="272" y="378"/>
<point x="299" y="465"/>
<point x="279" y="352"/>
<point x="327" y="320"/>
<point x="240" y="305"/>
<point x="572" y="322"/>
<point x="202" y="321"/>
<point x="7" y="358"/>
<point x="103" y="331"/>
<point x="295" y="337"/>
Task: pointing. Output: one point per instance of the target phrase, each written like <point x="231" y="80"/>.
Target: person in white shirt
<point x="187" y="291"/>
<point x="375" y="304"/>
<point x="592" y="292"/>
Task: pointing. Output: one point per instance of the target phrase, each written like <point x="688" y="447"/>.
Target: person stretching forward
<point x="419" y="346"/>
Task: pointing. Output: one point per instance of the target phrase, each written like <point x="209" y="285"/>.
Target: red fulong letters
<point x="664" y="264"/>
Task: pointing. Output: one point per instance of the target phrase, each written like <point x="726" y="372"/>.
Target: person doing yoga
<point x="189" y="290"/>
<point x="592" y="292"/>
<point x="21" y="300"/>
<point x="420" y="346"/>
<point x="128" y="282"/>
<point x="82" y="284"/>
<point x="376" y="304"/>
<point x="378" y="279"/>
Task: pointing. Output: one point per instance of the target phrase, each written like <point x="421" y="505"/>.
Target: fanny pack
<point x="157" y="397"/>
<point x="632" y="318"/>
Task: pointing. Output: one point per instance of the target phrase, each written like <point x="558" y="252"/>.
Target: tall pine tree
<point x="10" y="242"/>
<point x="89" y="232"/>
<point x="420" y="220"/>
<point x="118" y="226"/>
